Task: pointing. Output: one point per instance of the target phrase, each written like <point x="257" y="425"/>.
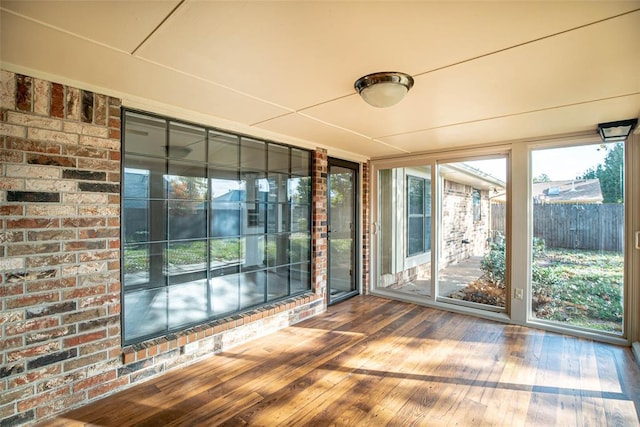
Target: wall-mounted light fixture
<point x="616" y="131"/>
<point x="384" y="89"/>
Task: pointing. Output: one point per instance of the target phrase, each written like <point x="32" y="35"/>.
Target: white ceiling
<point x="484" y="72"/>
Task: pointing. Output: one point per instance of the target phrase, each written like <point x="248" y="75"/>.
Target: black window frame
<point x="283" y="275"/>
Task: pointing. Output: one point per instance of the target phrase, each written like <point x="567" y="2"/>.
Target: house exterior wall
<point x="60" y="259"/>
<point x="463" y="237"/>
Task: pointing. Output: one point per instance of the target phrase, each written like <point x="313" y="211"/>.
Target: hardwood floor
<point x="370" y="361"/>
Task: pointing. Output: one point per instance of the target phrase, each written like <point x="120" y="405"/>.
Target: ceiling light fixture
<point x="384" y="89"/>
<point x="616" y="131"/>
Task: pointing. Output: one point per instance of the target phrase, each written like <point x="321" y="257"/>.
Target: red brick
<point x="57" y="100"/>
<point x="32" y="300"/>
<point x="83" y="339"/>
<point x="11" y="210"/>
<point x="93" y="381"/>
<point x="33" y="223"/>
<point x="33" y="376"/>
<point x="106" y="388"/>
<point x="11" y="290"/>
<point x="128" y="356"/>
<point x="30" y="352"/>
<point x="42" y="397"/>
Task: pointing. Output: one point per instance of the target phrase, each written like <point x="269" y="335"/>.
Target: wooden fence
<point x="573" y="226"/>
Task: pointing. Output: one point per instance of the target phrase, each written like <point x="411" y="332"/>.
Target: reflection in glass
<point x="252" y="288"/>
<point x="223" y="150"/>
<point x="145" y="313"/>
<point x="277" y="283"/>
<point x="300" y="247"/>
<point x="255" y="256"/>
<point x="143" y="264"/>
<point x="185" y="257"/>
<point x="278" y="217"/>
<point x="187" y="303"/>
<point x="253" y="155"/>
<point x="186" y="181"/>
<point x="256" y="217"/>
<point x="225" y="252"/>
<point x="300" y="218"/>
<point x="144" y="135"/>
<point x="277" y="249"/>
<point x="187" y="220"/>
<point x="300" y="162"/>
<point x="135" y="220"/>
<point x="143" y="177"/>
<point x="299" y="190"/>
<point x="278" y="159"/>
<point x="186" y="142"/>
<point x="225" y="219"/>
<point x="225" y="293"/>
<point x="278" y="188"/>
<point x="300" y="277"/>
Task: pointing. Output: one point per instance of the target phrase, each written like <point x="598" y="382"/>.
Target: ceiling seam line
<point x="53" y="27"/>
<point x="525" y="43"/>
<point x="169" y="15"/>
<point x="510" y="115"/>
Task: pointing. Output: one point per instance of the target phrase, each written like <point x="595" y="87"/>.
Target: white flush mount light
<point x="384" y="89"/>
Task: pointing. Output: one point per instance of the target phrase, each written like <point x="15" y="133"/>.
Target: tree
<point x="543" y="177"/>
<point x="610" y="174"/>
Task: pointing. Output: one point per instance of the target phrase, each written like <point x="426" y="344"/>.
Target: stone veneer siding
<point x="60" y="288"/>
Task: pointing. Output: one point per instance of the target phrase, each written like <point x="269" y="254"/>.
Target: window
<point x="477" y="215"/>
<point x="213" y="223"/>
<point x="418" y="215"/>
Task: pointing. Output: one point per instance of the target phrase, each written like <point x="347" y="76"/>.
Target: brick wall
<point x="319" y="223"/>
<point x="366" y="228"/>
<point x="60" y="346"/>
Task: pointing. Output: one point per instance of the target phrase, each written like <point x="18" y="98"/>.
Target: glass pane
<point x="300" y="247"/>
<point x="186" y="142"/>
<point x="578" y="236"/>
<point x="186" y="257"/>
<point x="300" y="278"/>
<point x="472" y="261"/>
<point x="252" y="288"/>
<point x="144" y="177"/>
<point x="278" y="192"/>
<point x="226" y="186"/>
<point x="135" y="220"/>
<point x="277" y="249"/>
<point x="225" y="294"/>
<point x="144" y="265"/>
<point x="277" y="283"/>
<point x="278" y="159"/>
<point x="300" y="218"/>
<point x="255" y="218"/>
<point x="253" y="155"/>
<point x="226" y="252"/>
<point x="187" y="220"/>
<point x="225" y="219"/>
<point x="300" y="162"/>
<point x="187" y="303"/>
<point x="404" y="216"/>
<point x="144" y="135"/>
<point x="186" y="181"/>
<point x="145" y="313"/>
<point x="415" y="195"/>
<point x="415" y="235"/>
<point x="255" y="185"/>
<point x="278" y="218"/>
<point x="224" y="150"/>
<point x="342" y="222"/>
<point x="255" y="256"/>
<point x="299" y="190"/>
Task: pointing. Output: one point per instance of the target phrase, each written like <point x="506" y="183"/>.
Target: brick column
<point x="319" y="224"/>
<point x="366" y="231"/>
<point x="59" y="247"/>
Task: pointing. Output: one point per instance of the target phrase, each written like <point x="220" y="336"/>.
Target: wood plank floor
<point x="372" y="362"/>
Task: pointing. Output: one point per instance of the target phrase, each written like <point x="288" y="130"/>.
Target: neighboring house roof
<point x="568" y="191"/>
<point x="466" y="174"/>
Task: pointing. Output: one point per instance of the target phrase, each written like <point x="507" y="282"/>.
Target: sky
<point x="557" y="163"/>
